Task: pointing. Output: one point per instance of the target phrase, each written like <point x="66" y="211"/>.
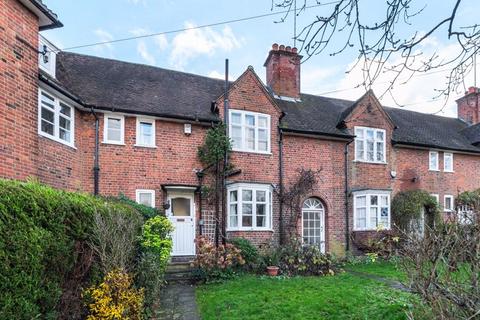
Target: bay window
<point x="371" y="210"/>
<point x="56" y="118"/>
<point x="369" y="145"/>
<point x="249" y="207"/>
<point x="249" y="131"/>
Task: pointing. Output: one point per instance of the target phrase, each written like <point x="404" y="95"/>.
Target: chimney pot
<point x="468" y="106"/>
<point x="283" y="71"/>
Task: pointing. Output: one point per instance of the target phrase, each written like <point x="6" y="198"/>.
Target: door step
<point x="178" y="271"/>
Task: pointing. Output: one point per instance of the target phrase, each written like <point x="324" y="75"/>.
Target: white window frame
<point x="138" y="192"/>
<point x="243" y="126"/>
<point x="445" y="197"/>
<point x="239" y="187"/>
<point x="436" y="196"/>
<point x="56" y="119"/>
<point x="363" y="141"/>
<point x="445" y="155"/>
<point x="430" y="168"/>
<point x="367" y="194"/>
<point x="122" y="128"/>
<point x="137" y="139"/>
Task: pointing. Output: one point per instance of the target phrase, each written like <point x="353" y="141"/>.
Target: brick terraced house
<point x="104" y="126"/>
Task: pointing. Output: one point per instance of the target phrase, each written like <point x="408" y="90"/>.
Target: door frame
<point x="190" y="194"/>
<point x="322" y="211"/>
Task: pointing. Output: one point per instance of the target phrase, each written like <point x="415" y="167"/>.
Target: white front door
<point x="182" y="215"/>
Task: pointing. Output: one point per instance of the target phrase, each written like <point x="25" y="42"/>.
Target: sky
<point x="203" y="51"/>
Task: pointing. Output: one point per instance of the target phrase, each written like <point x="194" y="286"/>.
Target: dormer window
<point x="47" y="56"/>
<point x="369" y="145"/>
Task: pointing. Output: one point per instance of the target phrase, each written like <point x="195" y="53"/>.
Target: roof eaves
<point x="49" y="14"/>
<point x="426" y="145"/>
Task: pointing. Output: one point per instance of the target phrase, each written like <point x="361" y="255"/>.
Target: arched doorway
<point x="313" y="223"/>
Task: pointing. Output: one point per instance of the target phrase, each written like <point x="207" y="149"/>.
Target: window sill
<point x="266" y="153"/>
<point x="370" y="162"/>
<point x="41" y="134"/>
<point x="114" y="143"/>
<point x="249" y="229"/>
<point x="144" y="146"/>
<point x="371" y="230"/>
<point x="449" y="171"/>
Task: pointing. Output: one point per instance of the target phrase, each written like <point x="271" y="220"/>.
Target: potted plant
<point x="272" y="260"/>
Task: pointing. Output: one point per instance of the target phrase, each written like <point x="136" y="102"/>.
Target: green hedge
<point x="40" y="227"/>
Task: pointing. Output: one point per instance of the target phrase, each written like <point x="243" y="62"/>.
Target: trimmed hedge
<point x="43" y="234"/>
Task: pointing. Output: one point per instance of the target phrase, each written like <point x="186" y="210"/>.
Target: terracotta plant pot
<point x="272" y="271"/>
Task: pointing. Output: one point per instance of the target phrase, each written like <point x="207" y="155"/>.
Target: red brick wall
<point x="247" y="94"/>
<point x="18" y="90"/>
<point x="326" y="156"/>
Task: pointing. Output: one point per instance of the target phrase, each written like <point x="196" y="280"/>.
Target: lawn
<point x="343" y="296"/>
<point x="385" y="269"/>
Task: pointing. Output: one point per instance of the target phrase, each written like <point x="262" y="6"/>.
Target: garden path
<point x="178" y="303"/>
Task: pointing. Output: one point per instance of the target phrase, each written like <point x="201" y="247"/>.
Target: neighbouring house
<point x="104" y="126"/>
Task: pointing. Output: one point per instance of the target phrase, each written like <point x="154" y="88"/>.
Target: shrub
<point x="115" y="298"/>
<point x="156" y="246"/>
<point x="114" y="238"/>
<point x="298" y="259"/>
<point x="248" y="251"/>
<point x="381" y="243"/>
<point x="146" y="211"/>
<point x="216" y="263"/>
<point x="43" y="249"/>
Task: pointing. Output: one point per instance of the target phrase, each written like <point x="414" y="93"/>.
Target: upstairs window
<point x="371" y="210"/>
<point x="114" y="127"/>
<point x="145" y="132"/>
<point x="249" y="207"/>
<point x="448" y="162"/>
<point x="433" y="161"/>
<point x="249" y="131"/>
<point x="369" y="145"/>
<point x="56" y="119"/>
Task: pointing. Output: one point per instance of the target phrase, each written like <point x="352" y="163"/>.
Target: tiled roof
<point x="135" y="88"/>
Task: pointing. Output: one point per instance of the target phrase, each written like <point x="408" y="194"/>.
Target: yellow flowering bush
<point x="115" y="298"/>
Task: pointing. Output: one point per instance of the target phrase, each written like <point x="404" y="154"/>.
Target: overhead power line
<point x="194" y="28"/>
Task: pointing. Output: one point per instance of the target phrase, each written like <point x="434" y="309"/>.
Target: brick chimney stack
<point x="283" y="71"/>
<point x="468" y="107"/>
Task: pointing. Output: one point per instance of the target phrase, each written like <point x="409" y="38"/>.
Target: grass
<point x="343" y="296"/>
<point x="382" y="268"/>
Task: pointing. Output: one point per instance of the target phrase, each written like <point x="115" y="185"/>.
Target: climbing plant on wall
<point x="408" y="207"/>
<point x="213" y="154"/>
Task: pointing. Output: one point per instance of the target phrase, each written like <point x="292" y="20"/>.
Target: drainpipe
<point x="347" y="228"/>
<point x="225" y="163"/>
<point x="280" y="178"/>
<point x="96" y="166"/>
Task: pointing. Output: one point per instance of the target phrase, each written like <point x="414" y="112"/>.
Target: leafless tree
<point x="444" y="267"/>
<point x="382" y="44"/>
